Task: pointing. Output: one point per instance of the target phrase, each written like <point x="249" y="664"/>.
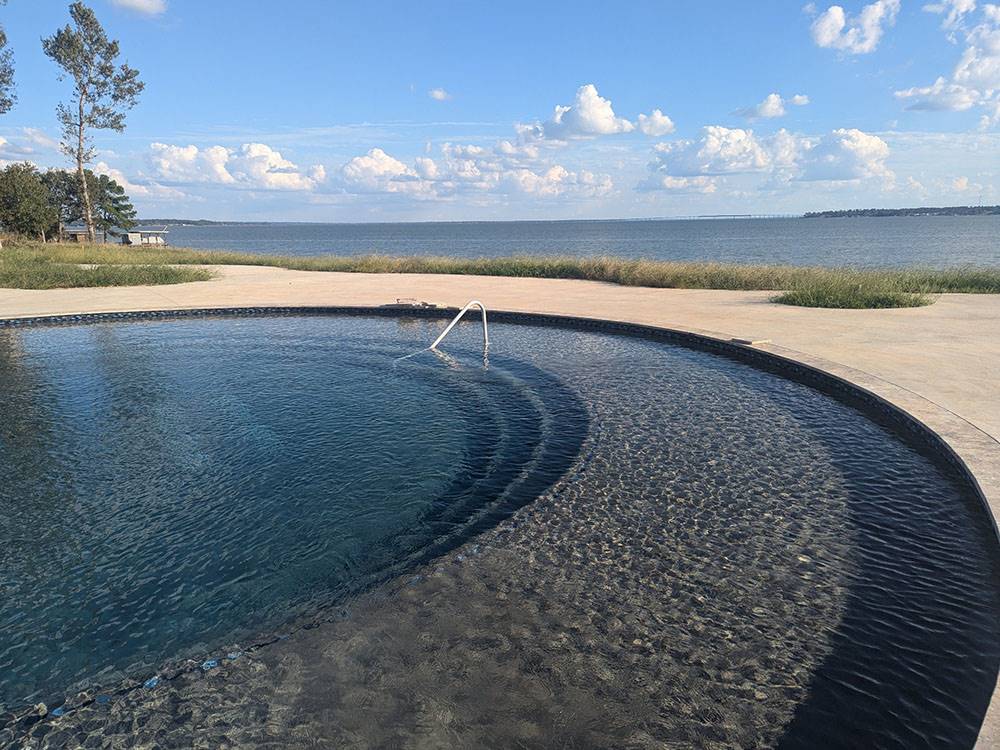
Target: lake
<point x="864" y="241"/>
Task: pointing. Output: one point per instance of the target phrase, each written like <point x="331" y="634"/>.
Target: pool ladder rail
<point x="462" y="312"/>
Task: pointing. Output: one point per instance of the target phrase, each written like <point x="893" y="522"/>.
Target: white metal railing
<point x="486" y="331"/>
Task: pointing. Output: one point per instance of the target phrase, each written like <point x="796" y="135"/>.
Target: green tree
<point x="112" y="206"/>
<point x="24" y="201"/>
<point x="64" y="196"/>
<point x="7" y="97"/>
<point x="103" y="91"/>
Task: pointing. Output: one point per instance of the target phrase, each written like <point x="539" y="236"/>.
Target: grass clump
<point x="853" y="296"/>
<point x="809" y="286"/>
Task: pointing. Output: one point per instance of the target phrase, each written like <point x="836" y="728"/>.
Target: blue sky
<point x="377" y="111"/>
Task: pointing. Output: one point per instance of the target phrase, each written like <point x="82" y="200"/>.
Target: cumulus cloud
<point x="190" y="163"/>
<point x="260" y="165"/>
<point x="377" y="172"/>
<point x="148" y="190"/>
<point x="979" y="66"/>
<point x="589" y="115"/>
<point x="149" y="7"/>
<point x="975" y="79"/>
<point x="772" y="106"/>
<point x="718" y="151"/>
<point x="856" y="35"/>
<point x="252" y="165"/>
<point x="656" y="124"/>
<point x="468" y="169"/>
<point x="844" y="154"/>
<point x="439" y="95"/>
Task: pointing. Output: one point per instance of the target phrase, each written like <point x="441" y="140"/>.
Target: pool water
<point x="589" y="541"/>
<point x="163" y="494"/>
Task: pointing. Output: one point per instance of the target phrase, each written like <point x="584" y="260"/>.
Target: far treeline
<point x="41" y="204"/>
<point x="924" y="211"/>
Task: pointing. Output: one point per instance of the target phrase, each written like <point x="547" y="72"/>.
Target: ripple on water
<point x="735" y="560"/>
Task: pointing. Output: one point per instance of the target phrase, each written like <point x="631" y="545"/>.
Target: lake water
<point x="891" y="241"/>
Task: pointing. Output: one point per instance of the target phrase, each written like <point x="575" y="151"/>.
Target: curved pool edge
<point x="972" y="452"/>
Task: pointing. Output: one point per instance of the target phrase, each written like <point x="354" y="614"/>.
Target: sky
<point x="387" y="111"/>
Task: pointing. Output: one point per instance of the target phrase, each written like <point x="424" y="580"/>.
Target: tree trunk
<point x="88" y="214"/>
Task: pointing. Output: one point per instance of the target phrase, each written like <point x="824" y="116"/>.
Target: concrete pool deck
<point x="938" y="363"/>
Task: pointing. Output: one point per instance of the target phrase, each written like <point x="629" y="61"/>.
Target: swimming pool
<point x="591" y="539"/>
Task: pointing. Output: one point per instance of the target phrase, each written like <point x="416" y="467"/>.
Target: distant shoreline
<point x="923" y="211"/>
<point x="833" y="214"/>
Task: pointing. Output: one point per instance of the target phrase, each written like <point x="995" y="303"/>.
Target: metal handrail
<point x="486" y="332"/>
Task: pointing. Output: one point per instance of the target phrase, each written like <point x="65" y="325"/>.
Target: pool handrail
<point x="486" y="332"/>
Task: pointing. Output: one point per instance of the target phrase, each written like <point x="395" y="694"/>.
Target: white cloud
<point x="468" y="169"/>
<point x="975" y="79"/>
<point x="786" y="149"/>
<point x="556" y="181"/>
<point x="656" y="124"/>
<point x="589" y="115"/>
<point x="846" y="154"/>
<point x="14" y="151"/>
<point x="979" y="66"/>
<point x="954" y="11"/>
<point x="941" y="96"/>
<point x="439" y="95"/>
<point x="718" y="151"/>
<point x="29" y="142"/>
<point x="252" y="165"/>
<point x="149" y="7"/>
<point x="259" y="165"/>
<point x="702" y="185"/>
<point x="191" y="164"/>
<point x="40" y="138"/>
<point x="856" y="35"/>
<point x="147" y="190"/>
<point x="772" y="106"/>
<point x="915" y="185"/>
<point x="377" y="172"/>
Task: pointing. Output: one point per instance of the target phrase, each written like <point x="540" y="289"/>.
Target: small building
<point x="144" y="237"/>
<point x="75" y="235"/>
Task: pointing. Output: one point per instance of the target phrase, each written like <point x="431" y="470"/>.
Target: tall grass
<point x="31" y="270"/>
<point x="811" y="286"/>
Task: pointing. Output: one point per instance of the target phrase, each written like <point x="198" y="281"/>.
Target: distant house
<point x="144" y="237"/>
<point x="75" y="235"/>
